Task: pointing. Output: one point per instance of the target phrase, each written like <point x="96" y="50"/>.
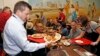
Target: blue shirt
<point x="15" y="37"/>
<point x="64" y="32"/>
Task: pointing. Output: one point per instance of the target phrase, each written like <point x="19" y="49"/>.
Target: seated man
<point x="75" y="32"/>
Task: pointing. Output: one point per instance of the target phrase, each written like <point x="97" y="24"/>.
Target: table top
<point x="68" y="50"/>
<point x="72" y="50"/>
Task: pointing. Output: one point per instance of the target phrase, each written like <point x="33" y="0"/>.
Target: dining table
<point x="65" y="48"/>
<point x="70" y="50"/>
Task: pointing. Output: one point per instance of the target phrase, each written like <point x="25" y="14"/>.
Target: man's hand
<point x="94" y="43"/>
<point x="49" y="44"/>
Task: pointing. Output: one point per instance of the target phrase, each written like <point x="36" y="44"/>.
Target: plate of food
<point x="55" y="38"/>
<point x="37" y="35"/>
<point x="36" y="38"/>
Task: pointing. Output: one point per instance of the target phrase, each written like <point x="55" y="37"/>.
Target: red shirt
<point x="3" y="18"/>
<point x="62" y="16"/>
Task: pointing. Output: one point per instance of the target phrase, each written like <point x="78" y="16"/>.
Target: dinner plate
<point x="56" y="38"/>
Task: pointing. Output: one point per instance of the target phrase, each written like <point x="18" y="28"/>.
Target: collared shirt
<point x="15" y="37"/>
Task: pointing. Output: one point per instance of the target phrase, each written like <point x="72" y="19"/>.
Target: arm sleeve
<point x="20" y="38"/>
<point x="94" y="25"/>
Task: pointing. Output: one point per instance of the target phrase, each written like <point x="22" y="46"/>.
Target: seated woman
<point x="91" y="31"/>
<point x="4" y="16"/>
<point x="75" y="32"/>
